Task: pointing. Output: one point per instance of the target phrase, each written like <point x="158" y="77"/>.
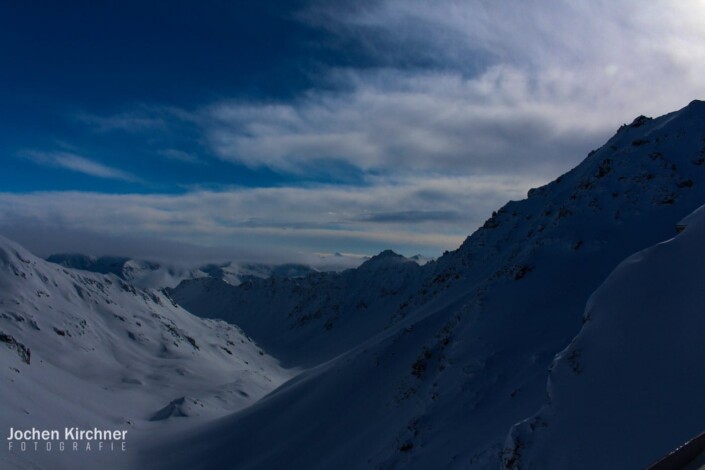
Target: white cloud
<point x="463" y="88"/>
<point x="73" y="162"/>
<point x="503" y="87"/>
<point x="401" y="123"/>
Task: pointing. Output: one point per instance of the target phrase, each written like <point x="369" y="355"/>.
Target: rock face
<point x="437" y="362"/>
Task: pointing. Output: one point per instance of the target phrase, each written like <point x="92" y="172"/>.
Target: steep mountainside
<point x="628" y="389"/>
<point x="465" y="350"/>
<point x="84" y="349"/>
<point x="308" y="320"/>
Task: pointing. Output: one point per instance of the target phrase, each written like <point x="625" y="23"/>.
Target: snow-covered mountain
<point x="236" y="273"/>
<point x="628" y="388"/>
<point x="150" y="274"/>
<point x="450" y="359"/>
<point x="140" y="273"/>
<point x="90" y="350"/>
<point x="394" y="364"/>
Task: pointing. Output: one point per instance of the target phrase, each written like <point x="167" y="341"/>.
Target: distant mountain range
<point x="152" y="274"/>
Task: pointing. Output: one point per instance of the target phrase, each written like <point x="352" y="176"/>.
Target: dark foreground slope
<point x="631" y="381"/>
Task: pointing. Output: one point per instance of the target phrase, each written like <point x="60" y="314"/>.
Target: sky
<point x="273" y="130"/>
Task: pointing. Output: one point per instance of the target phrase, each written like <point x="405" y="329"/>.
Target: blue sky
<point x="67" y="66"/>
<point x="273" y="130"/>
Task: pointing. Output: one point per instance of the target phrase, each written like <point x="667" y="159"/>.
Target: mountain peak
<point x="10" y="251"/>
<point x="387" y="254"/>
<point x="640" y="121"/>
<point x="694" y="112"/>
<point x="384" y="259"/>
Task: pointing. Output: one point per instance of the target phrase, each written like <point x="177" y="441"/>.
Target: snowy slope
<point x="464" y="356"/>
<point x="85" y="349"/>
<point x="629" y="388"/>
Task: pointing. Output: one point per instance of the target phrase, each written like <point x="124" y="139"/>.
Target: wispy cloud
<point x="462" y="88"/>
<point x="410" y="214"/>
<point x="500" y="87"/>
<point x="400" y="123"/>
<point x="73" y="162"/>
<point x="138" y="120"/>
<point x="179" y="155"/>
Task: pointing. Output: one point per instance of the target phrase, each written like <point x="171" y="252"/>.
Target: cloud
<point x="410" y="214"/>
<point x="500" y="87"/>
<point x="400" y="123"/>
<point x="460" y="88"/>
<point x="179" y="155"/>
<point x="538" y="36"/>
<point x="73" y="162"/>
<point x="406" y="217"/>
<point x="141" y="119"/>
